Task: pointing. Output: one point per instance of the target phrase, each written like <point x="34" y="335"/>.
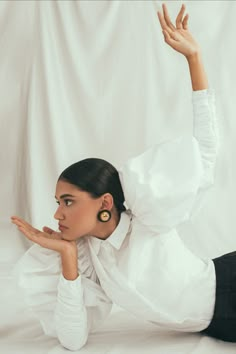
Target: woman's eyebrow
<point x="65" y="196"/>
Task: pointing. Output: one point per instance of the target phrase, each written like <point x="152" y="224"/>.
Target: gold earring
<point x="104" y="215"/>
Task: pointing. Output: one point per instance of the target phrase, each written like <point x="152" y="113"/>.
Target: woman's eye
<point x="58" y="202"/>
<point x="68" y="202"/>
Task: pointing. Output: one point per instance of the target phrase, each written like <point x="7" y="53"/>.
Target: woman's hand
<point x="47" y="239"/>
<point x="178" y="37"/>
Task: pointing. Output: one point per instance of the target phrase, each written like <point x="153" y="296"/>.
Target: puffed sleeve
<point x="164" y="185"/>
<point x="67" y="309"/>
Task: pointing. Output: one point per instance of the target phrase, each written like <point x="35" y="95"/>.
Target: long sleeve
<point x="206" y="131"/>
<point x="67" y="310"/>
<point x="165" y="185"/>
<point x="82" y="305"/>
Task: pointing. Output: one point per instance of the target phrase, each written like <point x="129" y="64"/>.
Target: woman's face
<point x="77" y="211"/>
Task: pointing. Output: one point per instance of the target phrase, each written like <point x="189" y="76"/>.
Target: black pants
<point x="223" y="324"/>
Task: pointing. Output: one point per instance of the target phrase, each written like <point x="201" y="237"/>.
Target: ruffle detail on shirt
<point x="93" y="293"/>
<point x="85" y="265"/>
<point x="161" y="184"/>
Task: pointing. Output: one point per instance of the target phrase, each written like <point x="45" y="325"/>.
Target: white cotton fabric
<point x="143" y="266"/>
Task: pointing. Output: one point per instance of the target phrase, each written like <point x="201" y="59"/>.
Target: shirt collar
<point x="117" y="237"/>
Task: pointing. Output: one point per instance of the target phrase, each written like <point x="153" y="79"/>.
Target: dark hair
<point x="97" y="177"/>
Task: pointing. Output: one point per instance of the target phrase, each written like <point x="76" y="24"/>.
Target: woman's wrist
<point x="69" y="262"/>
<point x="197" y="72"/>
<point x="194" y="57"/>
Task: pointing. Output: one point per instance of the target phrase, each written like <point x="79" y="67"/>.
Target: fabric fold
<point x="163" y="185"/>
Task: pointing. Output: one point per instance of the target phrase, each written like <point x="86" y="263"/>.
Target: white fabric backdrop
<point x="95" y="79"/>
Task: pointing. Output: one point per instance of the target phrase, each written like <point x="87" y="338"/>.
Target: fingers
<point x="178" y="21"/>
<point x="29" y="234"/>
<point x="166" y="23"/>
<point x="167" y="18"/>
<point x="169" y="39"/>
<point x="33" y="234"/>
<point x="49" y="233"/>
<point x="37" y="238"/>
<point x="27" y="231"/>
<point x="48" y="239"/>
<point x="163" y="23"/>
<point x="20" y="222"/>
<point x="42" y="239"/>
<point x="48" y="230"/>
<point x="185" y="22"/>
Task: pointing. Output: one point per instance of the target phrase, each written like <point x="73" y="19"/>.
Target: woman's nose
<point x="58" y="214"/>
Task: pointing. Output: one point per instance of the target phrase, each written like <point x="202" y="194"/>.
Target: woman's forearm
<point x="69" y="261"/>
<point x="197" y="72"/>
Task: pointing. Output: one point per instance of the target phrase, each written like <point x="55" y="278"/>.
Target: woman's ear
<point x="107" y="201"/>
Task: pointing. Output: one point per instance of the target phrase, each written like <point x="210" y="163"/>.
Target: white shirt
<point x="143" y="266"/>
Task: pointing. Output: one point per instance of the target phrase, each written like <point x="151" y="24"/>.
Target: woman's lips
<point x="62" y="228"/>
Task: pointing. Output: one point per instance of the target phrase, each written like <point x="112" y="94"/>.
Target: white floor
<point x="21" y="333"/>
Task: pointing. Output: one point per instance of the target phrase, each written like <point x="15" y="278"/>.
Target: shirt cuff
<point x="202" y="94"/>
<point x="70" y="287"/>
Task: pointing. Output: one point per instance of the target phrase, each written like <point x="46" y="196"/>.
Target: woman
<point x="118" y="242"/>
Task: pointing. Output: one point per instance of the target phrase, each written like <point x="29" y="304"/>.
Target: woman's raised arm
<point x="181" y="40"/>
